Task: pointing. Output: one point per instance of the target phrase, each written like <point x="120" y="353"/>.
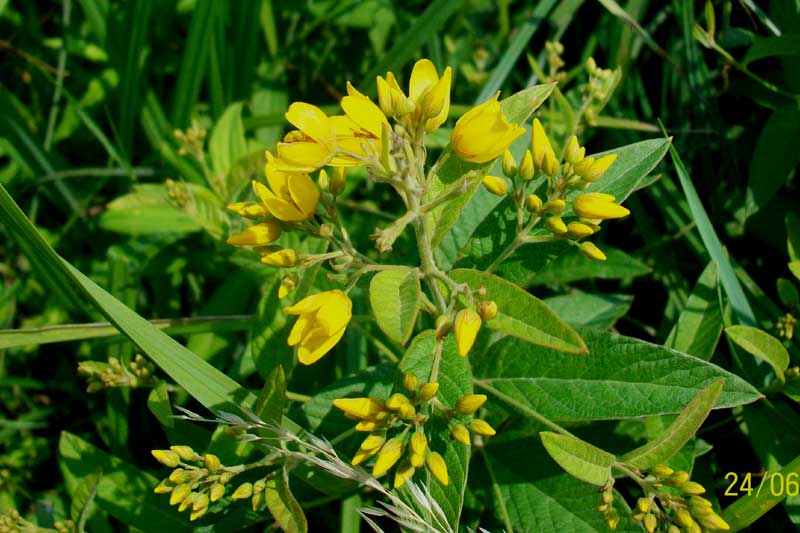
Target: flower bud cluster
<point x="254" y="491"/>
<point x="136" y="374"/>
<point x="196" y="480"/>
<point x="461" y="425"/>
<point x="785" y="326"/>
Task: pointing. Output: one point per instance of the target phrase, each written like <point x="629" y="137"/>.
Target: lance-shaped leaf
<point x="621" y="377"/>
<point x="699" y="325"/>
<point x="579" y="458"/>
<point x="522" y="315"/>
<point x="761" y="345"/>
<point x="679" y="432"/>
<point x="282" y="504"/>
<point x="395" y="297"/>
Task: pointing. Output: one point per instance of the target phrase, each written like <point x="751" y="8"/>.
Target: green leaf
<point x="583" y="309"/>
<point x="158" y="403"/>
<point x="762" y="345"/>
<point x="579" y="458"/>
<point x="227" y="144"/>
<point x="455" y="380"/>
<point x="518" y="108"/>
<point x="793" y="236"/>
<point x="749" y="508"/>
<point x="193" y="63"/>
<point x="146" y="211"/>
<point x="282" y="504"/>
<point x="124" y="491"/>
<point x="95" y="330"/>
<point x="623" y="377"/>
<point x="395" y="296"/>
<point x="682" y="429"/>
<point x="771" y="166"/>
<point x="762" y="47"/>
<point x="272" y="399"/>
<point x="794" y="266"/>
<point x="83" y="496"/>
<point x="741" y="307"/>
<point x="520" y="314"/>
<point x="573" y="266"/>
<point x="787" y="292"/>
<point x="699" y="325"/>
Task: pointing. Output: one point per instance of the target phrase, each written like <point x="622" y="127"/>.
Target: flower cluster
<point x="396" y="428"/>
<point x="679" y="508"/>
<point x="137" y="373"/>
<point x="196" y="481"/>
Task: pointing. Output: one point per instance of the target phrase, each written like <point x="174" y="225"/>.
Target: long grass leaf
<point x="193" y="63"/>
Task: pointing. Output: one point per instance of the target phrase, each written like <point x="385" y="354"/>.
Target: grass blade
<point x="193" y="64"/>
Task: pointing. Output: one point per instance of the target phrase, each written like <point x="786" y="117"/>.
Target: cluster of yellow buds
<point x="461" y="428"/>
<point x="597" y="91"/>
<point x="136" y="374"/>
<point x="191" y="141"/>
<point x="196" y="481"/>
<point x="254" y="491"/>
<point x="606" y="506"/>
<point x="576" y="172"/>
<point x="785" y="326"/>
<point x="686" y="512"/>
<point x="13" y="522"/>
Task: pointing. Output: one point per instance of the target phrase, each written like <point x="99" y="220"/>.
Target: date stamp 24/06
<point x="776" y="483"/>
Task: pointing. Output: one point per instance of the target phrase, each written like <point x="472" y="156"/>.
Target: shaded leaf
<point x="579" y="458"/>
<point x="282" y="504"/>
<point x="761" y="345"/>
<point x="699" y="325"/>
<point x="395" y="297"/>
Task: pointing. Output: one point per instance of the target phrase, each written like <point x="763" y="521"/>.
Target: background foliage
<point x="92" y="91"/>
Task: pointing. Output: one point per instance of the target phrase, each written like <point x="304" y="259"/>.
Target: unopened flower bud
<point x="166" y="457"/>
<point x="556" y="225"/>
<point x="555" y="206"/>
<point x="179" y="493"/>
<point x="165" y="487"/>
<point x="526" y="167"/>
<point x="650" y="522"/>
<point x="509" y="164"/>
<point x="418" y="442"/>
<point x="662" y="471"/>
<point x="403" y="473"/>
<point x="388" y="456"/>
<point x="438" y="467"/>
<point x="533" y="203"/>
<point x="643" y="504"/>
<point x="324" y="181"/>
<point x="178" y="476"/>
<point x="288" y="285"/>
<point x="460" y="434"/>
<point x="678" y="479"/>
<point x="407" y="411"/>
<point x="428" y="390"/>
<point x="211" y="462"/>
<point x="495" y="185"/>
<point x="243" y="491"/>
<point x="550" y="164"/>
<point x="396" y="400"/>
<point x="487" y="309"/>
<point x="683" y="518"/>
<point x="467" y="325"/>
<point x="481" y="427"/>
<point x="612" y="519"/>
<point x="589" y="250"/>
<point x="692" y="487"/>
<point x="574" y="152"/>
<point x="468" y="404"/>
<point x="338" y="181"/>
<point x="579" y="230"/>
<point x="217" y="492"/>
<point x="410" y="382"/>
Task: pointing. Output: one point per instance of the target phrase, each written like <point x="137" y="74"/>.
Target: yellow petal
<point x="308" y="304"/>
<point x="302" y="327"/>
<point x="311" y="120"/>
<point x="595" y="206"/>
<point x="281" y="258"/>
<point x="388" y="456"/>
<point x="335" y="311"/>
<point x="440" y="93"/>
<point x="423" y="78"/>
<point x="540" y="143"/>
<point x="302" y="156"/>
<point x="314" y="347"/>
<point x="364" y="408"/>
<point x="363" y="111"/>
<point x="304" y="194"/>
<point x="256" y="235"/>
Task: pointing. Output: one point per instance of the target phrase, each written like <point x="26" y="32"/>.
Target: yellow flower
<point x="430" y="94"/>
<point x="291" y="196"/>
<point x="364" y="113"/>
<point x="322" y="320"/>
<point x="598" y="206"/>
<point x="466" y="328"/>
<point x="257" y="235"/>
<point x="483" y="133"/>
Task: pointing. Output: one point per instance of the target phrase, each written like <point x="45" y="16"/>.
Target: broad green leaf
<point x="587" y="310"/>
<point x="517" y="108"/>
<point x="741" y="307"/>
<point x="145" y="211"/>
<point x="573" y="266"/>
<point x="682" y="429"/>
<point x="787" y="292"/>
<point x="95" y="330"/>
<point x="579" y="458"/>
<point x="532" y="493"/>
<point x="493" y="234"/>
<point x="455" y="379"/>
<point x="794" y="266"/>
<point x="624" y="377"/>
<point x="282" y="504"/>
<point x="750" y="507"/>
<point x="124" y="491"/>
<point x="395" y="296"/>
<point x="158" y="403"/>
<point x="83" y="496"/>
<point x="762" y="345"/>
<point x="520" y="314"/>
<point x="771" y="165"/>
<point x="226" y="145"/>
<point x="699" y="325"/>
<point x="782" y="45"/>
